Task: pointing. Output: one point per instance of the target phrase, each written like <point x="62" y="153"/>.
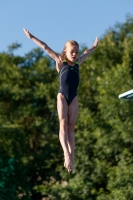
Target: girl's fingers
<point x="25" y="30"/>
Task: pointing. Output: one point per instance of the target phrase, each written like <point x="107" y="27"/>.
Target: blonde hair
<point x="69" y="42"/>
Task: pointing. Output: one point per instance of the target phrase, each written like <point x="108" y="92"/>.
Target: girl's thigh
<point x="73" y="111"/>
<point x="62" y="107"/>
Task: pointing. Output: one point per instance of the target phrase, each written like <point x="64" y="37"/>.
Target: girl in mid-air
<point x="67" y="65"/>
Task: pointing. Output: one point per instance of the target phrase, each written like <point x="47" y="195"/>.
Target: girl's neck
<point x="70" y="63"/>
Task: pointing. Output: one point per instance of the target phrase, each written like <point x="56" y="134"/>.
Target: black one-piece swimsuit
<point x="69" y="81"/>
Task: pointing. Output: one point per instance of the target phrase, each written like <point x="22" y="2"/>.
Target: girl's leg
<point x="62" y="108"/>
<point x="72" y="117"/>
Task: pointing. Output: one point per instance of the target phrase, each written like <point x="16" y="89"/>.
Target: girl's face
<point x="72" y="52"/>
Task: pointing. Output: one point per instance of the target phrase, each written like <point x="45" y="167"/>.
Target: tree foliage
<point x="31" y="163"/>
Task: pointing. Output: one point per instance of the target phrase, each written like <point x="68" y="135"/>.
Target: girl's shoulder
<point x="59" y="63"/>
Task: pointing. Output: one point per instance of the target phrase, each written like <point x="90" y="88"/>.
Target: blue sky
<point x="56" y="21"/>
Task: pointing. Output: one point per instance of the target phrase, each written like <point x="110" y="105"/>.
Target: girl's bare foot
<point x="72" y="161"/>
<point x="68" y="163"/>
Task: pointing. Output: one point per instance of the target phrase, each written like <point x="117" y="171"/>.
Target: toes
<point x="69" y="168"/>
<point x="65" y="165"/>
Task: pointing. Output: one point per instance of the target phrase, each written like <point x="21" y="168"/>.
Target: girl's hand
<point x="96" y="42"/>
<point x="27" y="33"/>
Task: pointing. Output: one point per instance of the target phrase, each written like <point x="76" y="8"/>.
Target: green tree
<point x="31" y="164"/>
<point x="28" y="123"/>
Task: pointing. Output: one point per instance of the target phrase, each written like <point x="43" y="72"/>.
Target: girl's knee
<point x="64" y="124"/>
<point x="71" y="126"/>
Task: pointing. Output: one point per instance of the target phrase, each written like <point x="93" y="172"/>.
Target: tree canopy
<point x="31" y="163"/>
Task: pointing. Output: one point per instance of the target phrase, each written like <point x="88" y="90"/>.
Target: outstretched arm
<point x="43" y="45"/>
<point x="87" y="52"/>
